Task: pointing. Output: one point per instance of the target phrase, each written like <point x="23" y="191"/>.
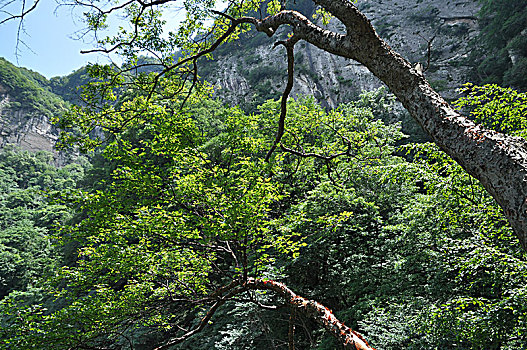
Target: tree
<point x="187" y="220"/>
<point x="471" y="145"/>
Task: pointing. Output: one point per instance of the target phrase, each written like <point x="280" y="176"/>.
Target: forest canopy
<point x="405" y="249"/>
<point x="197" y="223"/>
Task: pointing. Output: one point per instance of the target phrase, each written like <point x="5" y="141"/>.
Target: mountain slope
<point x="26" y="108"/>
<point x="444" y="36"/>
<point x="249" y="71"/>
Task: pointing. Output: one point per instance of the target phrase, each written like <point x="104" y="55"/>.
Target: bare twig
<point x="289" y="45"/>
<point x="429" y="49"/>
<point x="23" y="12"/>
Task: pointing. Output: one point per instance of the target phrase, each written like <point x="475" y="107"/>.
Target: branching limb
<point x="349" y="339"/>
<point x="23" y="12"/>
<point x="252" y="299"/>
<point x="429" y="50"/>
<point x="194" y="58"/>
<point x="289" y="45"/>
<point x="235" y="289"/>
<point x="316" y="155"/>
<point x="122" y="43"/>
<point x="20" y="17"/>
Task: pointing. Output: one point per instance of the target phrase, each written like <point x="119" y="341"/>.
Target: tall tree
<point x="497" y="160"/>
<point x="186" y="221"/>
<point x="204" y="199"/>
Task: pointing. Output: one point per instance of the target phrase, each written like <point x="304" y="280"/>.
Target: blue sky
<point x="49" y="34"/>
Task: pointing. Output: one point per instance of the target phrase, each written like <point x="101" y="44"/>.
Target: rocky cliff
<point x="25" y="129"/>
<point x="435" y="33"/>
<point x="26" y="109"/>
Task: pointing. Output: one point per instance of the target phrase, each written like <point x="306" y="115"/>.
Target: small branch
<point x="22" y="15"/>
<point x="328" y="166"/>
<point x="289" y="45"/>
<point x="20" y="28"/>
<point x="194" y="82"/>
<point x="244" y="256"/>
<point x="120" y="44"/>
<point x="205" y="320"/>
<point x="235" y="23"/>
<point x="429" y="49"/>
<point x="314" y="155"/>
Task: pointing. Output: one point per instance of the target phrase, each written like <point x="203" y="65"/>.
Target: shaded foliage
<point x="407" y="250"/>
<point x="28" y="215"/>
<point x="502" y="57"/>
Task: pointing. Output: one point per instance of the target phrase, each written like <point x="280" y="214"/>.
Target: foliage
<point x="27" y="215"/>
<point x="406" y="250"/>
<point x="167" y="218"/>
<point x="29" y="91"/>
<point x="497" y="108"/>
<point x="400" y="243"/>
<point x="501" y="60"/>
<point x="412" y="254"/>
<point x="189" y="204"/>
<point x="475" y="250"/>
<point x="68" y="86"/>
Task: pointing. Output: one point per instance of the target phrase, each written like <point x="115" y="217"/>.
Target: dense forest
<point x="173" y="226"/>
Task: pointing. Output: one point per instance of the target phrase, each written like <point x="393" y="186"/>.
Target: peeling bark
<point x="348" y="338"/>
<point x="321" y="314"/>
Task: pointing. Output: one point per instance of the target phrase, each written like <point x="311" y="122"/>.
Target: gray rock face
<point x="410" y="27"/>
<point x="26" y="129"/>
<point x="251" y="71"/>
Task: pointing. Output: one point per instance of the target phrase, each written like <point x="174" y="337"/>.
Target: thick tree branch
<point x="321" y="314"/>
<point x="498" y="161"/>
<point x="349" y="339"/>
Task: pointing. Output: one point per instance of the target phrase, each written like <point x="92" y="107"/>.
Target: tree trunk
<point x="498" y="161"/>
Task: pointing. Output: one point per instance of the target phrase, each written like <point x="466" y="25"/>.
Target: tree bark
<point x="497" y="160"/>
<point x="347" y="337"/>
